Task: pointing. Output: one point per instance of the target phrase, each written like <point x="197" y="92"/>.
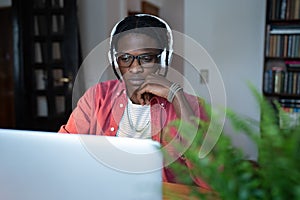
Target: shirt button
<point x="121" y="105"/>
<point x="162" y="105"/>
<point x="112" y="129"/>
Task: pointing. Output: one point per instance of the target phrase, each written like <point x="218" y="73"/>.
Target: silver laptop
<point x="44" y="166"/>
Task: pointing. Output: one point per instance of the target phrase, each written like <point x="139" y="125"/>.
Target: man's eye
<point x="125" y="58"/>
<point x="147" y="58"/>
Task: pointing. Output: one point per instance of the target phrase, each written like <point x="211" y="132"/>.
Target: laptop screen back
<point x="42" y="165"/>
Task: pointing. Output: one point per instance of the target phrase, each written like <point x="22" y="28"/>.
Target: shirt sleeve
<point x="200" y="112"/>
<point x="79" y="120"/>
<point x="198" y="106"/>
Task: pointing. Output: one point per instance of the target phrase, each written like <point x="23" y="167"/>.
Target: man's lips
<point x="136" y="81"/>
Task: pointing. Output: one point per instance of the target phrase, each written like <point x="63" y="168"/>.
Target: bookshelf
<point x="281" y="80"/>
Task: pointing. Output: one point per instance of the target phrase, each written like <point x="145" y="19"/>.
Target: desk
<point x="173" y="191"/>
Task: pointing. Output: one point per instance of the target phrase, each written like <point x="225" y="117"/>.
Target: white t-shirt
<point x="135" y="122"/>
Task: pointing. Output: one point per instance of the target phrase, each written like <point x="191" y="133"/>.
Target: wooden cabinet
<point x="47" y="62"/>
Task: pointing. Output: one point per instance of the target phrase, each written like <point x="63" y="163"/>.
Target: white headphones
<point x="166" y="55"/>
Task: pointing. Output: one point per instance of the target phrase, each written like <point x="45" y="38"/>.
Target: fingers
<point x="153" y="85"/>
<point x="147" y="97"/>
<point x="144" y="96"/>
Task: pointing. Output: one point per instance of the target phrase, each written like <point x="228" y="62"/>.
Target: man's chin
<point x="131" y="90"/>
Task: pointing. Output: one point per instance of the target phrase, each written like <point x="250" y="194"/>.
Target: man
<point x="142" y="102"/>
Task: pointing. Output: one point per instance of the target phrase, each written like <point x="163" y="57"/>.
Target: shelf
<point x="282" y="95"/>
<point x="281" y="58"/>
<point x="285" y="31"/>
<point x="281" y="79"/>
<point x="281" y="22"/>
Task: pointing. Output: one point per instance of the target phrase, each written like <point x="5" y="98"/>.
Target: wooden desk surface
<point x="173" y="191"/>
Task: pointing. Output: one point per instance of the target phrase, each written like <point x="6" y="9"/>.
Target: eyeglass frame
<point x="138" y="57"/>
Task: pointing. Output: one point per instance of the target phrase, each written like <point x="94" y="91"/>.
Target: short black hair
<point x="145" y="24"/>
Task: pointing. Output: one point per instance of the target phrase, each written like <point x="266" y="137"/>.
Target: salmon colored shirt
<point x="100" y="109"/>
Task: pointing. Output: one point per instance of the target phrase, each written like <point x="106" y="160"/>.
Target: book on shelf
<point x="289" y="103"/>
<point x="285" y="87"/>
<point x="291" y="110"/>
<point x="290" y="82"/>
<point x="280" y="81"/>
<point x="292" y="118"/>
<point x="295" y="77"/>
<point x="268" y="81"/>
<point x="284" y="9"/>
<point x="277" y="81"/>
<point x="293" y="63"/>
<point x="283" y="46"/>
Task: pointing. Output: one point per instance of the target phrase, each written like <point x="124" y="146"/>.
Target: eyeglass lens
<point x="145" y="60"/>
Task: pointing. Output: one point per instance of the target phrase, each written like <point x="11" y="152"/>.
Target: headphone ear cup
<point x="109" y="57"/>
<point x="163" y="59"/>
<point x="170" y="56"/>
<point x="114" y="65"/>
<point x="163" y="63"/>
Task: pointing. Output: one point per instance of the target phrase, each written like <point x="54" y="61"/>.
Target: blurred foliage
<point x="277" y="173"/>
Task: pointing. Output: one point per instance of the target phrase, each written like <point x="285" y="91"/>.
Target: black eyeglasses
<point x="146" y="60"/>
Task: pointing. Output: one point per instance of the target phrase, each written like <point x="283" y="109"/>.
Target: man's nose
<point x="136" y="67"/>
